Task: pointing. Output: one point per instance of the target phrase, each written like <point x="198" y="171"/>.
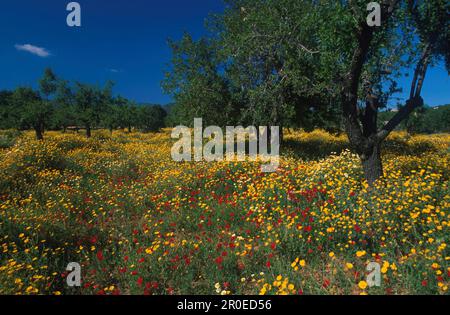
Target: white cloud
<point x="38" y="51"/>
<point x="114" y="70"/>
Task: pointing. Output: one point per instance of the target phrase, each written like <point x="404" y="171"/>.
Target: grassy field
<point x="139" y="223"/>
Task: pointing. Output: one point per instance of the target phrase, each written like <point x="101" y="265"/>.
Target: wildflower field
<point x="140" y="223"/>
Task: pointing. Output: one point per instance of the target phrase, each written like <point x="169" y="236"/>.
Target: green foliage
<point x="196" y="83"/>
<point x="9" y="117"/>
<point x="151" y="118"/>
<point x="424" y="120"/>
<point x="48" y="84"/>
<point x="286" y="62"/>
<point x="34" y="112"/>
<point x="60" y="105"/>
<point x="64" y="107"/>
<point x="432" y="24"/>
<point x="88" y="104"/>
<point x="8" y="138"/>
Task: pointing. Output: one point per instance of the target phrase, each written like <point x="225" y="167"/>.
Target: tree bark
<point x="372" y="165"/>
<point x="39" y="135"/>
<point x="362" y="131"/>
<point x="88" y="131"/>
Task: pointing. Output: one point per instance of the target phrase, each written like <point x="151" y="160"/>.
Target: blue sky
<point x="124" y="41"/>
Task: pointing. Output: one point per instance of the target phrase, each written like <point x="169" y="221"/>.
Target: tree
<point x="90" y="104"/>
<point x="430" y="19"/>
<point x="9" y="117"/>
<point x="48" y="84"/>
<point x="34" y="111"/>
<point x="271" y="60"/>
<point x="151" y="118"/>
<point x="282" y="60"/>
<point x="109" y="116"/>
<point x="196" y="84"/>
<point x="128" y="112"/>
<point x="64" y="107"/>
<point x="36" y="108"/>
<point x="87" y="104"/>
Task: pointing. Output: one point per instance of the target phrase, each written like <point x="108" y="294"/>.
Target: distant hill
<point x="428" y="119"/>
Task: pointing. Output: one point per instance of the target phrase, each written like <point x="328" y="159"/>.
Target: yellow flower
<point x="393" y="267"/>
<point x="385" y="267"/>
<point x="362" y="285"/>
<point x="331" y="254"/>
<point x="360" y="253"/>
<point x="349" y="266"/>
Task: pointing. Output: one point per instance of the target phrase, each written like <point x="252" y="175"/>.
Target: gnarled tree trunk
<point x="39" y="134"/>
<point x="372" y="165"/>
<point x="361" y="130"/>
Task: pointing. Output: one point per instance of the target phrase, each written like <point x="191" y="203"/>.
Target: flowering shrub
<point x="140" y="223"/>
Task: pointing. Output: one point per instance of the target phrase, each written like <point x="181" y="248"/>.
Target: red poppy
<point x="123" y="270"/>
<point x="219" y="260"/>
<point x="100" y="255"/>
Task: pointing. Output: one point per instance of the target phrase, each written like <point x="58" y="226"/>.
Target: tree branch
<point x="350" y="91"/>
<point x="415" y="100"/>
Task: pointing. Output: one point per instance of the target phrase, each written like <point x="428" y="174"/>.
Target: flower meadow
<point x="139" y="223"/>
